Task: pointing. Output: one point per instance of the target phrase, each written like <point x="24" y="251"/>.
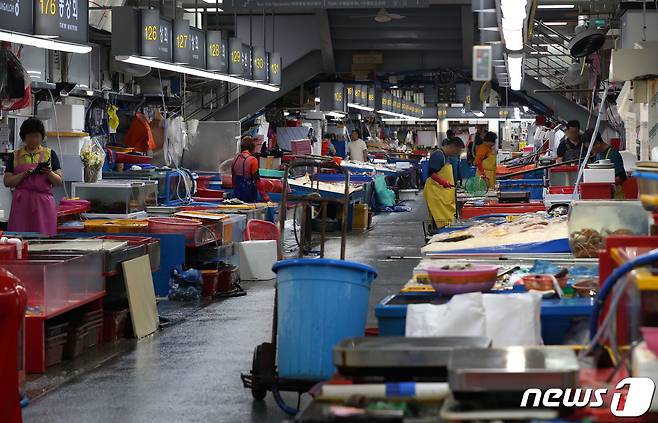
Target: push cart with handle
<point x="263" y="376"/>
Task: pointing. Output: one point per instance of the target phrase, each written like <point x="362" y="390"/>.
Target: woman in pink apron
<point x="32" y="171"/>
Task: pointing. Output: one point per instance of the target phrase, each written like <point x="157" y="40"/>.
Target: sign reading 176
<point x="68" y="8"/>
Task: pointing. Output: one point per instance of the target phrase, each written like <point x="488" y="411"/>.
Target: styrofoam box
<point x="599" y="175"/>
<point x="72" y="168"/>
<point x="645" y="364"/>
<point x="70" y="118"/>
<point x="65" y="145"/>
<point x="257" y="259"/>
<point x="402" y="165"/>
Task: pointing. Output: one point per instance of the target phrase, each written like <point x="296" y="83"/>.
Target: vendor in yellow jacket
<point x="439" y="190"/>
<point x="485" y="159"/>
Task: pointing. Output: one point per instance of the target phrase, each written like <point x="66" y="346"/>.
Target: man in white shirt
<point x="358" y="150"/>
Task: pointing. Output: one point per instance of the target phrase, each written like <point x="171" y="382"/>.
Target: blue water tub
<point x="320" y="302"/>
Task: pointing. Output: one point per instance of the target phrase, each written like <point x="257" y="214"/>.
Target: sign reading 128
<point x="68" y="8"/>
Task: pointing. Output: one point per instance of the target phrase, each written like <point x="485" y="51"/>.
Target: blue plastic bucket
<point x="320" y="302"/>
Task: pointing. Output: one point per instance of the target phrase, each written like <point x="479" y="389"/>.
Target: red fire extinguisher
<point x="13" y="300"/>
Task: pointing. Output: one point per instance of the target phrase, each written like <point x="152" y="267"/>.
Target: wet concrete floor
<point x="190" y="372"/>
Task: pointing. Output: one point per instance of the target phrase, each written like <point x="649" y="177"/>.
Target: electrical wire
<point x="59" y="141"/>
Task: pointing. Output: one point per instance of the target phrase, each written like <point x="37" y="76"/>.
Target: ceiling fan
<point x="382" y="16"/>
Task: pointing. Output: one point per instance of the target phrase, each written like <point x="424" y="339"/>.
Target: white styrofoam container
<point x="408" y="194"/>
<point x="70" y="118"/>
<point x="72" y="168"/>
<point x="257" y="259"/>
<point x="65" y="145"/>
<point x="599" y="175"/>
<point x="402" y="165"/>
<point x="645" y="364"/>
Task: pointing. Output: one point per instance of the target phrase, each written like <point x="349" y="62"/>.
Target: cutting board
<point x="141" y="296"/>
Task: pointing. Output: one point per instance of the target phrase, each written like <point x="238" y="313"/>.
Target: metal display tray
<point x="405" y="357"/>
<point x="512" y="369"/>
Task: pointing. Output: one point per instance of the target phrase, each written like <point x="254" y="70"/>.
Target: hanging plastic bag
<point x="15" y="82"/>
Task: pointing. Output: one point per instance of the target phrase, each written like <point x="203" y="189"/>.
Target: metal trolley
<point x="263" y="375"/>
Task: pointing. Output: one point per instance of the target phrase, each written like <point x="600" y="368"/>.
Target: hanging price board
<point x="16" y="15"/>
<point x="182" y="42"/>
<point x="65" y="19"/>
<point x="235" y="66"/>
<point x="216" y="52"/>
<point x="275" y="69"/>
<point x="197" y="48"/>
<point x="156" y="36"/>
<point x="260" y="64"/>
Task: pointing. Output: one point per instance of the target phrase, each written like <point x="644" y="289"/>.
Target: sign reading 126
<point x="68" y="8"/>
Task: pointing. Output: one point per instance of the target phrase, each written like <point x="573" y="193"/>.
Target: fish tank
<point x="117" y="197"/>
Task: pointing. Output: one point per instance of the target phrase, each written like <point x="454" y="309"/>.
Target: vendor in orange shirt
<point x="246" y="180"/>
<point x="485" y="159"/>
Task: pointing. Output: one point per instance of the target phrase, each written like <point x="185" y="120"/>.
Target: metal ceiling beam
<point x="468" y="25"/>
<point x="326" y="43"/>
<point x="425" y="45"/>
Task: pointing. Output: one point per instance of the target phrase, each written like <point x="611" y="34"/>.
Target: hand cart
<point x="263" y="375"/>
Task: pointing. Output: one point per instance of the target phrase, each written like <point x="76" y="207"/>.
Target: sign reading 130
<point x="68" y="8"/>
<point x="260" y="63"/>
<point x="275" y="68"/>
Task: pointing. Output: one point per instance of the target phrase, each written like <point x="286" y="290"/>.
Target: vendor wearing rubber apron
<point x="246" y="180"/>
<point x="32" y="171"/>
<point x="485" y="159"/>
<point x="572" y="146"/>
<point x="605" y="151"/>
<point x="439" y="190"/>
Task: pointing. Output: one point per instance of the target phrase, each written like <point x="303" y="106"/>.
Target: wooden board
<point x="67" y="134"/>
<point x="141" y="296"/>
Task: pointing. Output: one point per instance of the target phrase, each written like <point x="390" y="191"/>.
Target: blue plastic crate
<point x="534" y="186"/>
<point x="557" y="316"/>
<point x="535" y="174"/>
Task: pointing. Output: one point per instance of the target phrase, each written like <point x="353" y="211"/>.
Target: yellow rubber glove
<point x="112" y="118"/>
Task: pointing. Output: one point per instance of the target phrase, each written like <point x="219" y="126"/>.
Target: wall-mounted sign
<point x="17" y="16"/>
<point x="235" y="66"/>
<point x="156" y="36"/>
<point x="349" y="94"/>
<point x="482" y="63"/>
<point x="216" y="52"/>
<point x="260" y="64"/>
<point x="357" y="94"/>
<point x="65" y="19"/>
<point x="322" y="4"/>
<point x="332" y="97"/>
<point x="197" y="48"/>
<point x="246" y="61"/>
<point x="364" y="95"/>
<point x="182" y="52"/>
<point x="276" y="67"/>
<point x="371" y="98"/>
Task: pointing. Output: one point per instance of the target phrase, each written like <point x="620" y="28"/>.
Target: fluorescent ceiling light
<point x="45" y="43"/>
<point x="360" y="107"/>
<point x="136" y="60"/>
<point x="204" y="9"/>
<point x="556" y="6"/>
<point x="214" y="2"/>
<point x="89" y="93"/>
<point x="562" y="23"/>
<point x="515" y="70"/>
<point x="336" y="114"/>
<point x="513" y="39"/>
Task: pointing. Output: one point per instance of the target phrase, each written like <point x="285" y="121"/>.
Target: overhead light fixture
<point x="45" y="43"/>
<point x="204" y="9"/>
<point x="336" y="114"/>
<point x="515" y="71"/>
<point x="89" y="93"/>
<point x="137" y="60"/>
<point x="214" y="1"/>
<point x="514" y="14"/>
<point x="360" y="107"/>
<point x="513" y="39"/>
<point x="317" y="99"/>
<point x="556" y="6"/>
<point x="561" y="23"/>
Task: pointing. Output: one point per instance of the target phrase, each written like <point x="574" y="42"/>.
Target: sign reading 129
<point x="236" y="56"/>
<point x="68" y="8"/>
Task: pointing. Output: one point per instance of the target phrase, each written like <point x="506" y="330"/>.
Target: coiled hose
<point x="610" y="282"/>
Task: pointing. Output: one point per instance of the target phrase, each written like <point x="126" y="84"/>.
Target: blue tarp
<point x="554" y="246"/>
